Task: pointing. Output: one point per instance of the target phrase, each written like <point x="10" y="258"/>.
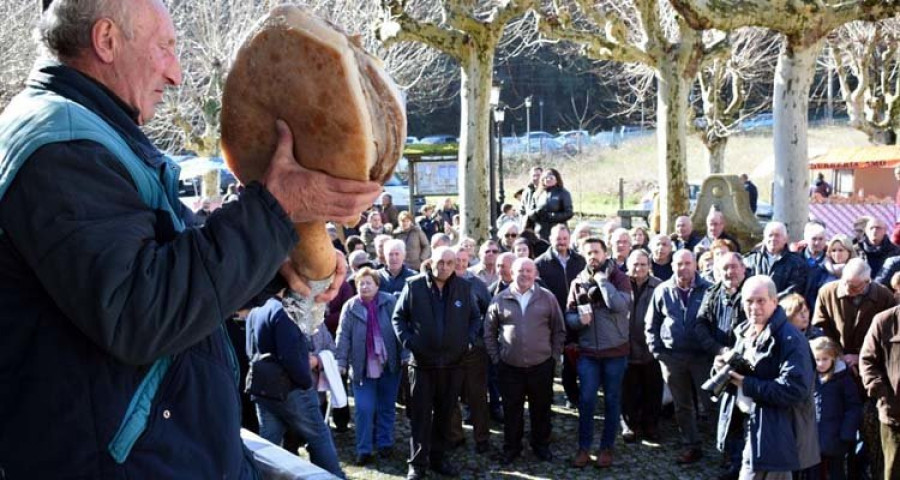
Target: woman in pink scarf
<point x="368" y="347"/>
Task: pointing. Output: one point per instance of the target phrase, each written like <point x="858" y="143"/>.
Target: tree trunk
<point x="671" y="136"/>
<point x="475" y="90"/>
<point x="793" y="78"/>
<point x="715" y="154"/>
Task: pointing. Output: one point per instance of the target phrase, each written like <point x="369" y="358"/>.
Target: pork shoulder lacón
<point x="346" y="115"/>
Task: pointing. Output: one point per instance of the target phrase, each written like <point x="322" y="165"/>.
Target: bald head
<point x="524" y="272"/>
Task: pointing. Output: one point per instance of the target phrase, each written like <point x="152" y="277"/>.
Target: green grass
<point x="593" y="177"/>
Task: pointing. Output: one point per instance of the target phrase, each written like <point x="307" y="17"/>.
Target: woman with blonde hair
<point x="838" y="252"/>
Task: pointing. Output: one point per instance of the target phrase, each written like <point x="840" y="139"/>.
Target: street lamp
<point x="495" y="101"/>
<point x="499" y="116"/>
<point x="528" y="124"/>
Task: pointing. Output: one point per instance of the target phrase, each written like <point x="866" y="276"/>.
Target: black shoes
<point x="364" y="459"/>
<point x="386" y="452"/>
<point x="507" y="458"/>
<point x="482" y="447"/>
<point x="543" y="454"/>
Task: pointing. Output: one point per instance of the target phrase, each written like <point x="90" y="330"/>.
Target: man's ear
<point x="105" y="38"/>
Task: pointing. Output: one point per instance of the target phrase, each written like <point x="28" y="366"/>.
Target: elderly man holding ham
<point x="112" y="308"/>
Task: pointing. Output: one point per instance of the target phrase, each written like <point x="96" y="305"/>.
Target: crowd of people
<point x="801" y="333"/>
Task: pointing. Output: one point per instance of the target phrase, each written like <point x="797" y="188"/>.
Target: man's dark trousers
<point x="535" y="383"/>
<point x="433" y="395"/>
<point x="474" y="394"/>
<point x="642" y="394"/>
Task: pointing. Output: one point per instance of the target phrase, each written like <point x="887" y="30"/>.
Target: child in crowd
<point x="798" y="315"/>
<point x="838" y="407"/>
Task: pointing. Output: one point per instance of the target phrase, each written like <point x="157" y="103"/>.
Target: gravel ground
<point x="632" y="461"/>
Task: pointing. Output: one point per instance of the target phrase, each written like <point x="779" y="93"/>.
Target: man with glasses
<point x="486" y="269"/>
<point x="844" y="310"/>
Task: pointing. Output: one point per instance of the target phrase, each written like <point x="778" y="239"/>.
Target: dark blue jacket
<point x="670" y="322"/>
<point x="394" y="285"/>
<point x="437" y="326"/>
<point x="788" y="273"/>
<point x="781" y="387"/>
<point x="270" y="330"/>
<point x="95" y="286"/>
<point x="838" y="411"/>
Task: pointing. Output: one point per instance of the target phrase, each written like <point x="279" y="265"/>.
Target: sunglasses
<point x="492" y="251"/>
<point x="512" y="235"/>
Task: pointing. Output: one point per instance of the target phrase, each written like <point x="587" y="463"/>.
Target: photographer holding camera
<point x="777" y="391"/>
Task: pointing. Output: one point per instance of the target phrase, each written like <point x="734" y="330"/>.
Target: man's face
<point x="536" y="176"/>
<point x="524" y="274"/>
<point x="685" y="267"/>
<point x="855" y="285"/>
<point x="662" y="248"/>
<point x="379" y="249"/>
<point x="594" y="254"/>
<point x="639" y="267"/>
<point x="510" y="236"/>
<point x="444" y="266"/>
<point x="715" y="225"/>
<point x="758" y="306"/>
<point x="733" y="272"/>
<point x="489" y="254"/>
<point x="504" y="268"/>
<point x="469" y="245"/>
<point x="386" y="200"/>
<point x="683" y="227"/>
<point x="775" y="240"/>
<point x="875" y="232"/>
<point x="375" y="221"/>
<point x="816" y="242"/>
<point x="623" y="245"/>
<point x="395" y="258"/>
<point x="462" y="262"/>
<point x="560" y="241"/>
<point x="146" y="64"/>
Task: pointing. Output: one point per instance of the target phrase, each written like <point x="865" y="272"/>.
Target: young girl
<point x="798" y="315"/>
<point x="838" y="407"/>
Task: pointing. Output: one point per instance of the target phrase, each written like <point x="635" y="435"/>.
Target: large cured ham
<point x="346" y="114"/>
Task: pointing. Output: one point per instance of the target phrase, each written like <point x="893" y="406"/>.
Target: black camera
<point x="734" y="362"/>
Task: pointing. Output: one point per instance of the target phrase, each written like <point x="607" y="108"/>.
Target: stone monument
<point x="726" y="194"/>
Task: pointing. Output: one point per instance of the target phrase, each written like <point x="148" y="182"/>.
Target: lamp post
<point x="528" y="124"/>
<point x="499" y="116"/>
<point x="495" y="101"/>
<point x="541" y="116"/>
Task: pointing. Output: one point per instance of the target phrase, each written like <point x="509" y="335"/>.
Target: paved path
<point x="642" y="461"/>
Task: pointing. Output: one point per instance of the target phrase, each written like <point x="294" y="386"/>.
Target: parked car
<point x="410" y="140"/>
<point x="438" y="139"/>
<point x="762" y="120"/>
<point x="193" y="169"/>
<point x="399" y="191"/>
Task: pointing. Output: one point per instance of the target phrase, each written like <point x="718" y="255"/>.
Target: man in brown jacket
<point x="880" y="368"/>
<point x="524" y="334"/>
<point x="845" y="308"/>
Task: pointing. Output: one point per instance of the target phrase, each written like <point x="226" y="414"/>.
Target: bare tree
<point x="804" y="24"/>
<point x="868" y="53"/>
<point x="468" y="31"/>
<point x="651" y="37"/>
<point x="18" y="49"/>
<point x="725" y="83"/>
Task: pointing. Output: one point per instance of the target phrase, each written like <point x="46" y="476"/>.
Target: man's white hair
<point x="812" y="229"/>
<point x="755" y="282"/>
<point x="393" y="244"/>
<point x="775" y="226"/>
<point x="65" y="28"/>
<point x="857" y="268"/>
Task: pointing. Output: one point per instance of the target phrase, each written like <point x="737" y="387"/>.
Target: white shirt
<point x="522" y="297"/>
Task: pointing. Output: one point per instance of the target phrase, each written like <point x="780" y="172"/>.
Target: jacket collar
<point x="53" y="76"/>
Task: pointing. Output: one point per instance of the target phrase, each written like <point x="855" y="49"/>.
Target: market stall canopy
<point x="848" y="158"/>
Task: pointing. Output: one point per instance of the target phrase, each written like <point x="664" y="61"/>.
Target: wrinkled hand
<point x="736" y="379"/>
<point x="299" y="284"/>
<point x="307" y="195"/>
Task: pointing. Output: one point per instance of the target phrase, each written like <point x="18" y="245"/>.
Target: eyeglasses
<point x="512" y="235"/>
<point x="492" y="251"/>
